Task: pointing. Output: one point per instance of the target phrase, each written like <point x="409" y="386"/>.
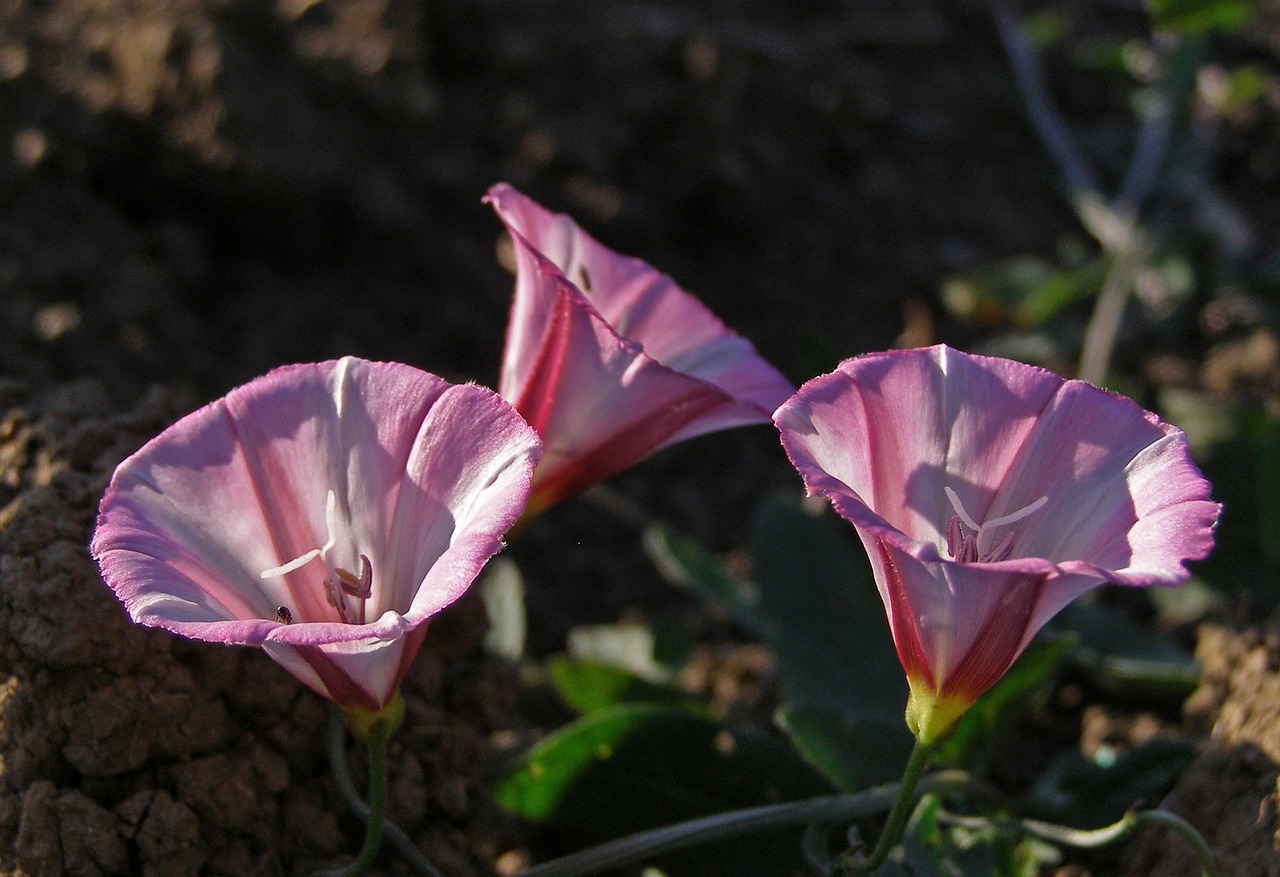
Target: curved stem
<point x="897" y="816"/>
<point x="1104" y="323"/>
<point x="722" y="826"/>
<point x="342" y="776"/>
<point x="1082" y="838"/>
<point x="379" y="733"/>
<point x="1187" y="830"/>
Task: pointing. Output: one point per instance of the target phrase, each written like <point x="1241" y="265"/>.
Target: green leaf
<point x="1079" y="792"/>
<point x="1198" y="16"/>
<point x="589" y="686"/>
<point x="852" y="752"/>
<point x="684" y="563"/>
<point x="1268" y="482"/>
<point x="632" y="767"/>
<point x="821" y="604"/>
<point x="1023" y="290"/>
<point x="1124" y="657"/>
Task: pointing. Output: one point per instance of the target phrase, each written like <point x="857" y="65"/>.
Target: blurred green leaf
<point x="1269" y="487"/>
<point x="1024" y="290"/>
<point x="1208" y="420"/>
<point x="822" y="605"/>
<point x="852" y="752"/>
<point x="1027" y="680"/>
<point x="814" y="602"/>
<point x="1241" y="565"/>
<point x="1198" y="16"/>
<point x="930" y="848"/>
<point x="632" y="767"/>
<point x="1078" y="792"/>
<point x="590" y="686"/>
<point x="685" y="564"/>
<point x="1123" y="656"/>
<point x="1046" y="27"/>
<point x="1230" y="92"/>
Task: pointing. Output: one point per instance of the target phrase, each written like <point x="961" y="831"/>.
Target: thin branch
<point x="722" y="826"/>
<point x="1049" y="124"/>
<point x="1085" y="839"/>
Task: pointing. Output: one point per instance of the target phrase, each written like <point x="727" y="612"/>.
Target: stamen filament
<point x="296" y="563"/>
<point x="1018" y="515"/>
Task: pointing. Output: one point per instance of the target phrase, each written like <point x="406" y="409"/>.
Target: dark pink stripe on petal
<point x="902" y="620"/>
<point x="999" y="642"/>
<point x="537" y="399"/>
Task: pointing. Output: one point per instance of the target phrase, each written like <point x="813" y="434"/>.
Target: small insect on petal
<point x="283" y="615"/>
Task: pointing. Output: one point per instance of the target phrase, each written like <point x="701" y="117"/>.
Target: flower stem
<point x="1098" y="837"/>
<point x="722" y="826"/>
<point x="342" y="776"/>
<point x="853" y="861"/>
<point x="379" y="733"/>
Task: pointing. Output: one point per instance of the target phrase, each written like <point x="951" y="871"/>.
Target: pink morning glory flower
<point x="323" y="512"/>
<point x="609" y="360"/>
<point x="989" y="494"/>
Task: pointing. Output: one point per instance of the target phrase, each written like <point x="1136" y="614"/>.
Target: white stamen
<point x="1018" y="515"/>
<point x="296" y="563"/>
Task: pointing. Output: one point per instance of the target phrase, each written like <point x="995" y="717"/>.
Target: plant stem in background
<point x="722" y="826"/>
<point x="1114" y="224"/>
<point x="1099" y="837"/>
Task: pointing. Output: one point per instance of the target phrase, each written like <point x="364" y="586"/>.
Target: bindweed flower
<point x="989" y="494"/>
<point x="609" y="360"/>
<point x="323" y="512"/>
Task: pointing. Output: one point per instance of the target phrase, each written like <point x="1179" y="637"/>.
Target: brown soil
<point x="1230" y="793"/>
<point x="128" y="751"/>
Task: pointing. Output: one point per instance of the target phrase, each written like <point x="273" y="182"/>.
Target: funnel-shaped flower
<point x="323" y="512"/>
<point x="988" y="495"/>
<point x="609" y="360"/>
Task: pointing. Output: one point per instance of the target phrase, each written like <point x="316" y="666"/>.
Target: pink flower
<point x="609" y="360"/>
<point x="988" y="495"/>
<point x="323" y="512"/>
